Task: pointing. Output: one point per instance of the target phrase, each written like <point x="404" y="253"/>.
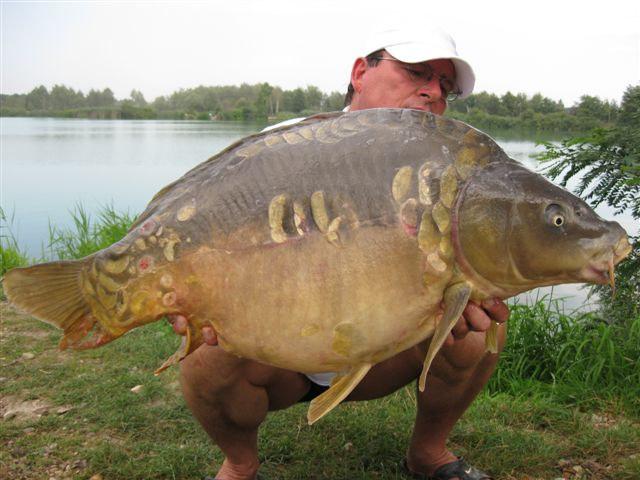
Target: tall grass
<point x="87" y="236"/>
<point x="83" y="238"/>
<point x="580" y="357"/>
<point x="11" y="255"/>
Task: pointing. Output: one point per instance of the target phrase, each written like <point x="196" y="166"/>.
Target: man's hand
<point x="477" y="318"/>
<point x="180" y="325"/>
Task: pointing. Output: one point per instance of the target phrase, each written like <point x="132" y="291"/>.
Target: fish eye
<point x="555" y="215"/>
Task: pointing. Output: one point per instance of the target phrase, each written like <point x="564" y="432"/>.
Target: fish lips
<point x="601" y="271"/>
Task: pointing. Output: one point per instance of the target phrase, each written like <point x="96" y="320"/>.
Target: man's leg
<point x="230" y="397"/>
<point x="457" y="375"/>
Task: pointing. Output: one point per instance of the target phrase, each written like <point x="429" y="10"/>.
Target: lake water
<point x="49" y="165"/>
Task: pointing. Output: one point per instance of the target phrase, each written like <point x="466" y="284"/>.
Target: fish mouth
<point x="602" y="271"/>
<point x="598" y="273"/>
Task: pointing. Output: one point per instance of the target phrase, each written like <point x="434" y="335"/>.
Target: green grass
<point x="84" y="237"/>
<point x="521" y="427"/>
<point x="87" y="236"/>
<point x="578" y="358"/>
<point x="11" y="255"/>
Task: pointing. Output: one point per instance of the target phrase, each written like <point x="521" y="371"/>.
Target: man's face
<point x="395" y="84"/>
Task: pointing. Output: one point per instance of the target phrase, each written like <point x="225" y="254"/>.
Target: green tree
<point x="542" y="104"/>
<point x="592" y="107"/>
<point x="293" y="100"/>
<point x="14" y="102"/>
<point x="37" y="99"/>
<point x="608" y="160"/>
<point x="275" y="100"/>
<point x="488" y="102"/>
<point x="513" y="105"/>
<point x="137" y="98"/>
<point x="64" y="98"/>
<point x="98" y="99"/>
<point x="262" y="104"/>
<point x="244" y="110"/>
<point x="313" y="98"/>
<point x="160" y="104"/>
<point x="333" y="102"/>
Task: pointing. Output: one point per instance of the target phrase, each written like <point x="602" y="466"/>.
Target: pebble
<point x="136" y="389"/>
<point x="50" y="447"/>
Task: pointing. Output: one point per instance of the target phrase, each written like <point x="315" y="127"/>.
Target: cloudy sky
<point x="562" y="49"/>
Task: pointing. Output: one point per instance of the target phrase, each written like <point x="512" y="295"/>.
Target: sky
<point x="562" y="49"/>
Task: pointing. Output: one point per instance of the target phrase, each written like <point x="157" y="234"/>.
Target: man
<point x="231" y="397"/>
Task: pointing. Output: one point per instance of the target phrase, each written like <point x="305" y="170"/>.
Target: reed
<point x="11" y="255"/>
<point x="86" y="235"/>
<point x="575" y="357"/>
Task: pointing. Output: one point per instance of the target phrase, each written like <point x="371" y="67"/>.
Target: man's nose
<point x="431" y="89"/>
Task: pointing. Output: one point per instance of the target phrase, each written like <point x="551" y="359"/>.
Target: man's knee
<point x="207" y="371"/>
<point x="468" y="358"/>
<point x="211" y="375"/>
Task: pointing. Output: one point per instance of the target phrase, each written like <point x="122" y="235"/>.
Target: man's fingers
<point x="496" y="309"/>
<point x="460" y="329"/>
<point x="209" y="336"/>
<point x="449" y="341"/>
<point x="477" y="319"/>
<point x="179" y="323"/>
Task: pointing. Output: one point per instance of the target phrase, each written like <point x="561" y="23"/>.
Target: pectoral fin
<point x="491" y="338"/>
<point x="190" y="342"/>
<point x="455" y="300"/>
<point x="324" y="403"/>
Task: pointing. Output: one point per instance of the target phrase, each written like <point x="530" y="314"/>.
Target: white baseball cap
<point x="417" y="45"/>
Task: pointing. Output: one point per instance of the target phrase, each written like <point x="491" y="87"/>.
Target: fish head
<point x="514" y="230"/>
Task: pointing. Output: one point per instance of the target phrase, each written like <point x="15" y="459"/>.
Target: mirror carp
<point x="330" y="245"/>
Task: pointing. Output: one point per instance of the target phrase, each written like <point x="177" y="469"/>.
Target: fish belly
<point x="313" y="306"/>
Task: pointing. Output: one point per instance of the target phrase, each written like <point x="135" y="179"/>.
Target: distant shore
<point x="271" y="104"/>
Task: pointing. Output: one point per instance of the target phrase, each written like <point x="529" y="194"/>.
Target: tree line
<point x="262" y="102"/>
<point x="244" y="103"/>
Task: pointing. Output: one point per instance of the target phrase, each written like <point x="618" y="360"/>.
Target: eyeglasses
<point x="449" y="89"/>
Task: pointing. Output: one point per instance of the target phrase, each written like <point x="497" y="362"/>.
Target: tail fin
<point x="51" y="292"/>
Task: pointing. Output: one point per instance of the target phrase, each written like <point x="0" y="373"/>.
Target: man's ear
<point x="357" y="72"/>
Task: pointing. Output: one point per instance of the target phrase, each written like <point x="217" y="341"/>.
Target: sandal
<point x="259" y="477"/>
<point x="458" y="469"/>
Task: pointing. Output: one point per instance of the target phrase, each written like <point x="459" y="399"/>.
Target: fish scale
<point x="330" y="245"/>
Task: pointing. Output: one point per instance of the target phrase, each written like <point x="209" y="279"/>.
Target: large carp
<point x="330" y="245"/>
